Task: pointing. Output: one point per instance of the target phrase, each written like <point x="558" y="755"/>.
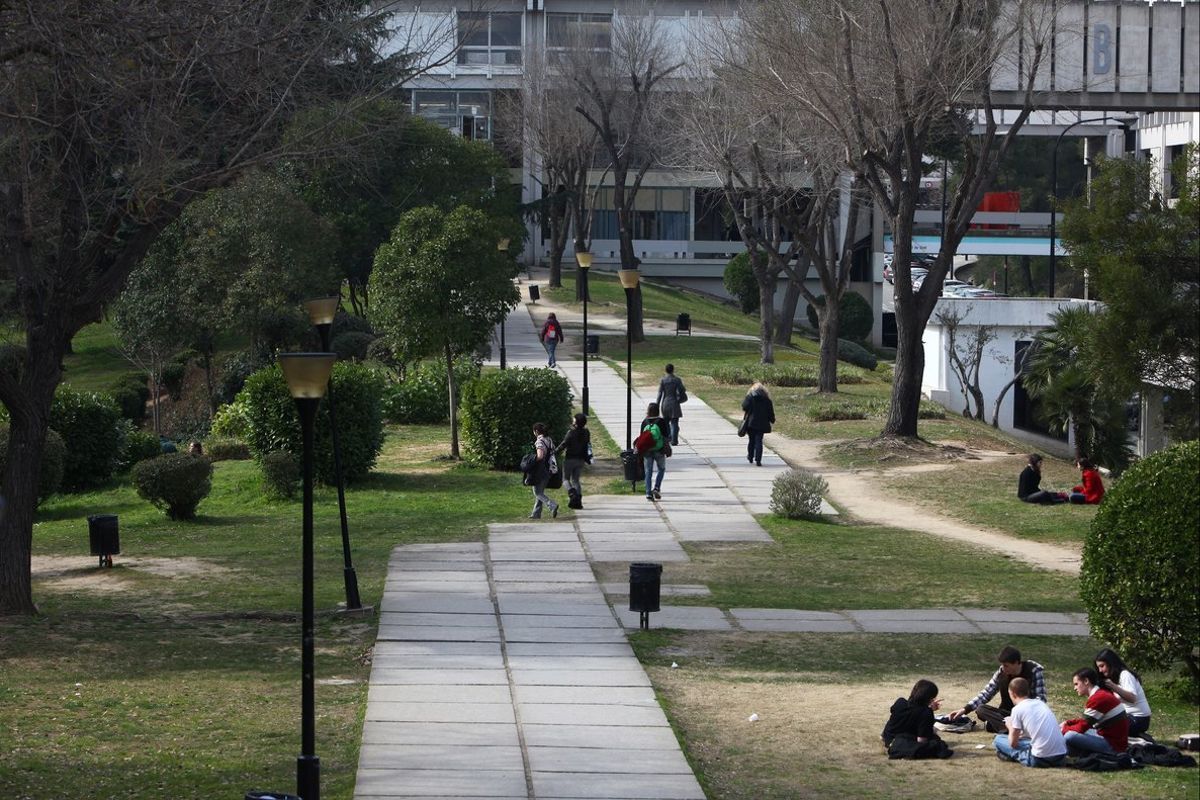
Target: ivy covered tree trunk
<point x="827" y="320"/>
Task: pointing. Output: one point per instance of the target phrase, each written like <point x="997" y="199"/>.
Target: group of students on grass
<point x="1090" y="490"/>
<point x="1027" y="732"/>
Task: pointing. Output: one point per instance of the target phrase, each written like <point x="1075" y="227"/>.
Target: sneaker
<point x="650" y="497"/>
<point x="554" y="512"/>
<point x="960" y="725"/>
<point x="657" y="494"/>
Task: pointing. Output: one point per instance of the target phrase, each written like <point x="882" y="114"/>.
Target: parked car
<point x="918" y="274"/>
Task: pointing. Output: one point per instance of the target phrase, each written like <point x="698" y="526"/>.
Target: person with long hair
<point x="1091" y="488"/>
<point x="544" y="447"/>
<point x="760" y="415"/>
<point x="909" y="730"/>
<point x="1125" y="684"/>
<point x="1029" y="489"/>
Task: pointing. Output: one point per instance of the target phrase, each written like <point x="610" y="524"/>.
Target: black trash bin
<point x="104" y="537"/>
<point x="535" y="292"/>
<point x="683" y="324"/>
<point x="645" y="586"/>
<point x="593" y="344"/>
<point x="635" y="469"/>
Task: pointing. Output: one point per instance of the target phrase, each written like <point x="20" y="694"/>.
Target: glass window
<point x="579" y="30"/>
<point x="428" y="103"/>
<point x="506" y="30"/>
<point x="489" y="38"/>
<point x="473" y="29"/>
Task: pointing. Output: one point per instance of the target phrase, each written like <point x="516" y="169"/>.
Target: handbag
<point x="555" y="481"/>
<point x="666" y="449"/>
<point x="745" y="426"/>
<point x="681" y="398"/>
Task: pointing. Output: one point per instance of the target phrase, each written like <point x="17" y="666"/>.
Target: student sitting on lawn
<point x="1125" y="684"/>
<point x="1011" y="668"/>
<point x="1091" y="491"/>
<point x="1104" y="727"/>
<point x="909" y="730"/>
<point x="1029" y="484"/>
<point x="1033" y="738"/>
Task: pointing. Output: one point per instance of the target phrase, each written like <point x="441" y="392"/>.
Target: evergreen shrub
<point x="224" y="449"/>
<point x="788" y="374"/>
<point x="797" y="493"/>
<point x="274" y="424"/>
<point x="232" y="374"/>
<point x="281" y="475"/>
<point x="856" y="354"/>
<point x="54" y="456"/>
<point x="741" y="283"/>
<point x="1140" y="577"/>
<point x="175" y="482"/>
<point x="174" y="372"/>
<point x="131" y="394"/>
<point x="855" y="316"/>
<point x="499" y="408"/>
<point x="423" y="397"/>
<point x="351" y="345"/>
<point x="90" y="425"/>
<point x="344" y="322"/>
<point x="232" y="421"/>
<point x="137" y="447"/>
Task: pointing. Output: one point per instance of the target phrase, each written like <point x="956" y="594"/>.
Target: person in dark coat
<point x="1029" y="484"/>
<point x="575" y="447"/>
<point x="671" y="395"/>
<point x="909" y="730"/>
<point x="760" y="415"/>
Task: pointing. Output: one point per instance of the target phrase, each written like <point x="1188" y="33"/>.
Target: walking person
<point x="576" y="448"/>
<point x="655" y="454"/>
<point x="760" y="415"/>
<point x="671" y="395"/>
<point x="544" y="447"/>
<point x="551" y="334"/>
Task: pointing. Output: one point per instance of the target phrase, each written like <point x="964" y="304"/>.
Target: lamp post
<point x="629" y="282"/>
<point x="1054" y="192"/>
<point x="321" y="313"/>
<point x="585" y="263"/>
<point x="307" y="376"/>
<point x="502" y="246"/>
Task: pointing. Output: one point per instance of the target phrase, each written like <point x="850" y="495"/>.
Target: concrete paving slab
<point x="439" y="757"/>
<point x="616" y="760"/>
<point x="559" y="620"/>
<point x="378" y="783"/>
<point x="425" y="618"/>
<point x="446" y="734"/>
<point x="610" y="786"/>
<point x="1034" y="629"/>
<point x="574" y="663"/>
<point x="419" y="602"/>
<point x="441" y="712"/>
<point x="576" y="677"/>
<point x="742" y="614"/>
<point x="435" y="693"/>
<point x="569" y="649"/>
<point x="426" y="633"/>
<point x="918" y="626"/>
<point x="586" y="695"/>
<point x="444" y="677"/>
<point x="922" y="614"/>
<point x="689" y="618"/>
<point x="417" y="661"/>
<point x="599" y="714"/>
<point x="516" y="633"/>
<point x="1041" y="617"/>
<point x="667" y="590"/>
<point x="427" y="648"/>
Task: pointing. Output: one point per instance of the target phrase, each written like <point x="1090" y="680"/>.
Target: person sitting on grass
<point x="1104" y="727"/>
<point x="909" y="730"/>
<point x="1029" y="484"/>
<point x="1091" y="491"/>
<point x="1125" y="684"/>
<point x="1033" y="737"/>
<point x="1011" y="668"/>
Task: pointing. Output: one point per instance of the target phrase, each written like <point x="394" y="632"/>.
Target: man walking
<point x="1033" y="738"/>
<point x="671" y="395"/>
<point x="1011" y="667"/>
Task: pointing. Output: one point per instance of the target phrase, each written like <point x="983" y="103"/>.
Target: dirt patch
<point x="898" y="450"/>
<point x="82" y="573"/>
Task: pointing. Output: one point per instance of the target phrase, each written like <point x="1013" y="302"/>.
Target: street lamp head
<point x="322" y="310"/>
<point x="307" y="374"/>
<point x="502" y="245"/>
<point x="629" y="278"/>
<point x="584" y="260"/>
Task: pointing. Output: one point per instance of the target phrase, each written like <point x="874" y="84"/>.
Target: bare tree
<point x="884" y="76"/>
<point x="1019" y="361"/>
<point x="115" y="115"/>
<point x="619" y="92"/>
<point x="966" y="350"/>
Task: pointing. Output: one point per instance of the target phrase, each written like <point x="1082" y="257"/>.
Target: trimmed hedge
<point x="856" y="354"/>
<point x="498" y="411"/>
<point x="274" y="424"/>
<point x="1140" y="578"/>
<point x="742" y="285"/>
<point x="54" y="455"/>
<point x="781" y="374"/>
<point x="175" y="482"/>
<point x="855" y="316"/>
<point x="352" y="345"/>
<point x="423" y="397"/>
<point x="222" y="449"/>
<point x="90" y="425"/>
<point x="232" y="421"/>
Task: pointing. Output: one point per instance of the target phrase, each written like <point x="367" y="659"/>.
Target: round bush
<point x="232" y="421"/>
<point x="131" y="394"/>
<point x="54" y="454"/>
<point x="797" y="493"/>
<point x="499" y="409"/>
<point x="275" y="425"/>
<point x="423" y="397"/>
<point x="139" y="446"/>
<point x="281" y="475"/>
<point x="855" y="317"/>
<point x="1140" y="578"/>
<point x="856" y="354"/>
<point x="175" y="482"/>
<point x="90" y="425"/>
<point x="741" y="283"/>
<point x="218" y="449"/>
<point x="351" y="345"/>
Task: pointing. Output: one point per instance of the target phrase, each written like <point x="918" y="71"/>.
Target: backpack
<point x="644" y="443"/>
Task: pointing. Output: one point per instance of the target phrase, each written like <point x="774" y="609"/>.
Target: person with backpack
<point x="576" y="448"/>
<point x="909" y="730"/>
<point x="1125" y="684"/>
<point x="653" y="449"/>
<point x="671" y="395"/>
<point x="760" y="415"/>
<point x="551" y="334"/>
<point x="544" y="464"/>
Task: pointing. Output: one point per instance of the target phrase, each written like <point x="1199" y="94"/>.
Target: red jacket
<point x="1104" y="712"/>
<point x="1092" y="488"/>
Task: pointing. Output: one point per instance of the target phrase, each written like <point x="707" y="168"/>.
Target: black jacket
<point x="908" y="718"/>
<point x="1028" y="483"/>
<point x="760" y="409"/>
<point x="575" y="444"/>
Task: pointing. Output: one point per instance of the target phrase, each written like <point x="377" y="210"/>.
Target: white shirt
<point x="1036" y="722"/>
<point x="1140" y="707"/>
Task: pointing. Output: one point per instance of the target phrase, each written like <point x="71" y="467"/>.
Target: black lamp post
<point x="307" y="376"/>
<point x="585" y="263"/>
<point x="502" y="246"/>
<point x="321" y="312"/>
<point x="629" y="282"/>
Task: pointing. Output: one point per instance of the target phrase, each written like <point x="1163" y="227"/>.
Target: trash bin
<point x="104" y="537"/>
<point x="593" y="344"/>
<point x="535" y="292"/>
<point x="635" y="470"/>
<point x="683" y="323"/>
<point x="645" y="586"/>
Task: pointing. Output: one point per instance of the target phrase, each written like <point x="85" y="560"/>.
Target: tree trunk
<point x="910" y="369"/>
<point x="1027" y="274"/>
<point x="827" y="319"/>
<point x="977" y="396"/>
<point x="786" y="319"/>
<point x="20" y="488"/>
<point x="1000" y="399"/>
<point x="208" y="380"/>
<point x="766" y="316"/>
<point x="452" y="390"/>
<point x="558" y="242"/>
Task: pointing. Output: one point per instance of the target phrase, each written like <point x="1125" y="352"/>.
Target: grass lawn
<point x="187" y="651"/>
<point x="823" y="698"/>
<point x="96" y="360"/>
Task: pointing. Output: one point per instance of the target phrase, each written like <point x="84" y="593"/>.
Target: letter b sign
<point x="1102" y="43"/>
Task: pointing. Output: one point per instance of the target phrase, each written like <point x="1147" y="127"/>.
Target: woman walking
<point x="550" y="335"/>
<point x="654" y="455"/>
<point x="544" y="447"/>
<point x="671" y="395"/>
<point x="575" y="448"/>
<point x="760" y="415"/>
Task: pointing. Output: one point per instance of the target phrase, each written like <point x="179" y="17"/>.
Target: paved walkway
<point x="500" y="669"/>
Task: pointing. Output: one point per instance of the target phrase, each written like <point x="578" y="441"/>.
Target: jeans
<point x="1044" y="498"/>
<point x="540" y="498"/>
<point x="572" y="472"/>
<point x="1079" y="744"/>
<point x="754" y="445"/>
<point x="1023" y="752"/>
<point x="650" y="460"/>
<point x="673" y="424"/>
<point x="551" y="344"/>
<point x="1138" y="726"/>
